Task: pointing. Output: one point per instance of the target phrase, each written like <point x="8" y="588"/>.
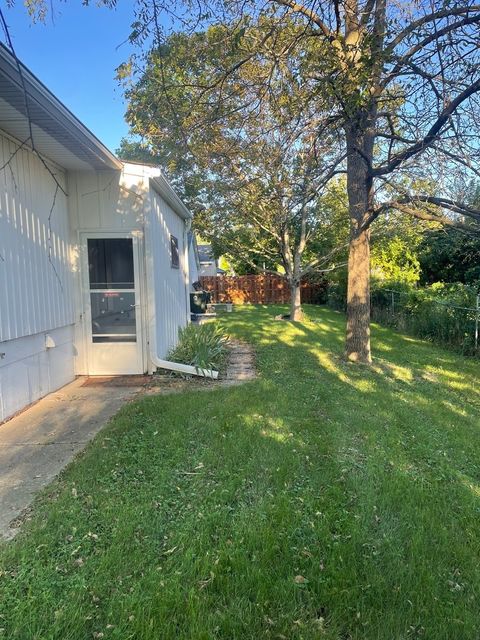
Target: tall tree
<point x="263" y="176"/>
<point x="402" y="81"/>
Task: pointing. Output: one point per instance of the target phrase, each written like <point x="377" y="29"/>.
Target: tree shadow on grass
<point x="320" y="500"/>
<point x="412" y="380"/>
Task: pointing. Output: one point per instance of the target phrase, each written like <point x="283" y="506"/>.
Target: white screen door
<point x="114" y="331"/>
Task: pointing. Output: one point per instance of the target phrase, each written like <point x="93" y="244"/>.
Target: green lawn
<point x="323" y="500"/>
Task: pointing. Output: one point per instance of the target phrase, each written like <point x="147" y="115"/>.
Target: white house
<point x="208" y="262"/>
<point x="93" y="252"/>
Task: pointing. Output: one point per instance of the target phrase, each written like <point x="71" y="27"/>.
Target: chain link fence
<point x="417" y="312"/>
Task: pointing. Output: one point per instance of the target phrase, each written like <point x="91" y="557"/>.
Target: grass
<point x="323" y="500"/>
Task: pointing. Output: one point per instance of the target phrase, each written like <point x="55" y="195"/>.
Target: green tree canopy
<point x="258" y="181"/>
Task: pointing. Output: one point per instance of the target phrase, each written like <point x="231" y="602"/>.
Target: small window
<point x="175" y="256"/>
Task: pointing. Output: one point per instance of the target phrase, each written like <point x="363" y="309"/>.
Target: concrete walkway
<point x="38" y="443"/>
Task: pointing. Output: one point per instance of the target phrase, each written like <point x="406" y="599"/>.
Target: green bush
<point x="395" y="260"/>
<point x="202" y="346"/>
<point x="443" y="313"/>
<point x="337" y="292"/>
<point x="337" y="297"/>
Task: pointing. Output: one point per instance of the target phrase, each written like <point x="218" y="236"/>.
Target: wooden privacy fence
<point x="259" y="289"/>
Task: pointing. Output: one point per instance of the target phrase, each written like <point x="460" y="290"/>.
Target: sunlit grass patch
<point x="322" y="500"/>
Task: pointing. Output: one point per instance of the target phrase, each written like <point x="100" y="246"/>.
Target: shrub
<point x="337" y="297"/>
<point x="395" y="260"/>
<point x="202" y="346"/>
<point x="337" y="291"/>
<point x="443" y="313"/>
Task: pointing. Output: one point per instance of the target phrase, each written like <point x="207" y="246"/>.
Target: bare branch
<point x="432" y="135"/>
<point x="430" y="217"/>
<point x="431" y="17"/>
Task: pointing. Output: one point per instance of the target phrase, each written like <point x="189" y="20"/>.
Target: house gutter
<point x="41" y="97"/>
<point x="166" y="191"/>
<point x="178" y="366"/>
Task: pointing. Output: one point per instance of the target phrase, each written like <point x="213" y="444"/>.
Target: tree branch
<point x="432" y="134"/>
<point x="311" y="15"/>
<point x="420" y="46"/>
<point x="452" y="205"/>
<point x="436" y="15"/>
<point x="429" y="217"/>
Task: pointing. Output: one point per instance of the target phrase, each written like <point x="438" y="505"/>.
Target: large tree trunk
<point x="296" y="313"/>
<point x="359" y="186"/>
<point x="293" y="269"/>
<point x="357" y="347"/>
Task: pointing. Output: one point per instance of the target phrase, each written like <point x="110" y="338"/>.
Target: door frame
<point x="136" y="236"/>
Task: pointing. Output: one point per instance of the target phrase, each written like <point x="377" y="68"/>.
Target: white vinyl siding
<point x="35" y="274"/>
<point x="29" y="371"/>
<point x="102" y="202"/>
<point x="169" y="283"/>
<point x="106" y="200"/>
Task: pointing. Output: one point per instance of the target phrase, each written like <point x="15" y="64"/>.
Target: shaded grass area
<point x="322" y="500"/>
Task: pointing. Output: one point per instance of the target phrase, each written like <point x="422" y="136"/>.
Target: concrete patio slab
<point x="39" y="442"/>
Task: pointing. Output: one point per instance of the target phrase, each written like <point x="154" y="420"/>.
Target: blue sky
<point x="76" y="56"/>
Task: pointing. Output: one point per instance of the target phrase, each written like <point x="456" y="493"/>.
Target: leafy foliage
<point x="393" y="260"/>
<point x="444" y="314"/>
<point x="202" y="346"/>
<point x="441" y="313"/>
<point x="260" y="181"/>
<point x="449" y="255"/>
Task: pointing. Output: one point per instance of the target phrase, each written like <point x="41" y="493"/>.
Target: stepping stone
<point x="241" y="363"/>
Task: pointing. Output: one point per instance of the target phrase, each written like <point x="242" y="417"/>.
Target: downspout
<point x="152" y="346"/>
<point x="183" y="368"/>
<point x="177" y="366"/>
<point x="186" y="269"/>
